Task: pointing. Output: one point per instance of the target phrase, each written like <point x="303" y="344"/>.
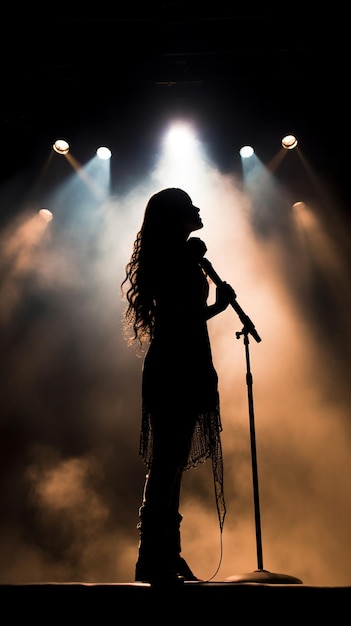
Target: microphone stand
<point x="260" y="575"/>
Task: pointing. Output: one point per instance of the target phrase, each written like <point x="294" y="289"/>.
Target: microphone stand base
<point x="263" y="576"/>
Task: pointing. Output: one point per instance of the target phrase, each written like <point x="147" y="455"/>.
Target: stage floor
<point x="201" y="601"/>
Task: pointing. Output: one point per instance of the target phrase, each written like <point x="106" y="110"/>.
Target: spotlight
<point x="289" y="142"/>
<point x="61" y="146"/>
<point x="298" y="206"/>
<point x="46" y="215"/>
<point x="246" y="151"/>
<point x="103" y="153"/>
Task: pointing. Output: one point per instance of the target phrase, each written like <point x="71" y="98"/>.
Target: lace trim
<point x="205" y="445"/>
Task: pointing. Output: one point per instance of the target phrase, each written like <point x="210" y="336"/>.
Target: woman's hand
<point x="225" y="295"/>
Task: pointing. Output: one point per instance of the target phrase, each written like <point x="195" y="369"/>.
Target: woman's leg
<point x="159" y="546"/>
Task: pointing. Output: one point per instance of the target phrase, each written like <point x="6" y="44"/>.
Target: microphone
<point x="211" y="272"/>
<point x="198" y="248"/>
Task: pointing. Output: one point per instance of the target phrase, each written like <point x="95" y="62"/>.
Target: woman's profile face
<point x="190" y="215"/>
<point x="173" y="206"/>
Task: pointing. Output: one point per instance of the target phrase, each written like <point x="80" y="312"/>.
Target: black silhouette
<point x="166" y="291"/>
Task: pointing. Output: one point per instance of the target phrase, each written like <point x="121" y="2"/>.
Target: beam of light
<point x="98" y="173"/>
<point x="98" y="178"/>
<point x="180" y="139"/>
<point x="252" y="167"/>
<point x="275" y="162"/>
<point x="270" y="201"/>
<point x="20" y="248"/>
<point x="325" y="197"/>
<point x="319" y="255"/>
<point x="95" y="174"/>
<point x="179" y="153"/>
<point x="69" y="194"/>
<point x="182" y="156"/>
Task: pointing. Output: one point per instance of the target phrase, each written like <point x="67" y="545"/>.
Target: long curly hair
<point x="150" y="250"/>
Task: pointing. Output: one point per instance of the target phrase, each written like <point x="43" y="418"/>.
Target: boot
<point x="155" y="564"/>
<point x="181" y="565"/>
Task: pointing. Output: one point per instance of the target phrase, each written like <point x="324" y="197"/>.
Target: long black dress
<point x="180" y="383"/>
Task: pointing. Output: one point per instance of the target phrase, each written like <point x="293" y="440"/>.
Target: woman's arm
<point x="225" y="294"/>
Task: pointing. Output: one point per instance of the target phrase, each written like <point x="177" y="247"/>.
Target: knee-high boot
<point x="181" y="566"/>
<point x="155" y="563"/>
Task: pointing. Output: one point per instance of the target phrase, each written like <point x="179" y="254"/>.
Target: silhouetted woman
<point x="167" y="314"/>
